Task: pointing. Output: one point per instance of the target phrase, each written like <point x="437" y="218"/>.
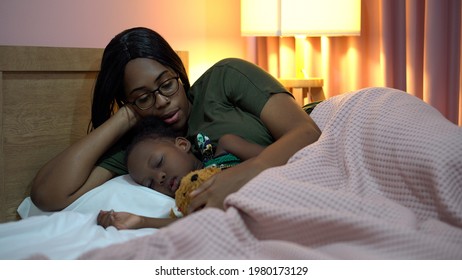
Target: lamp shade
<point x="300" y="17"/>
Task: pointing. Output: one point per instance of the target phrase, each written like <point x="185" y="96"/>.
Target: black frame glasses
<point x="148" y="99"/>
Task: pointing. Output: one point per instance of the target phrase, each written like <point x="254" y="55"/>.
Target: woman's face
<point x="142" y="77"/>
<point x="160" y="164"/>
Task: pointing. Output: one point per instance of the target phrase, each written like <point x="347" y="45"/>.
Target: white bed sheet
<point x="73" y="231"/>
<point x="62" y="235"/>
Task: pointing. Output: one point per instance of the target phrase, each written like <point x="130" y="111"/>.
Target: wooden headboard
<point x="45" y="100"/>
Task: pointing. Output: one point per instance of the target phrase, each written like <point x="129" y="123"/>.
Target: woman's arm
<point x="292" y="130"/>
<point x="73" y="172"/>
<point x="238" y="146"/>
<point x="291" y="127"/>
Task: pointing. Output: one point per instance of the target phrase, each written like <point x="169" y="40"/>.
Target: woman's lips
<point x="173" y="118"/>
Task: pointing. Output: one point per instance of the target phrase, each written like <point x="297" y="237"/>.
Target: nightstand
<point x="305" y="90"/>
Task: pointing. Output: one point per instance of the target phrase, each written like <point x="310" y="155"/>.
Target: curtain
<point x="411" y="45"/>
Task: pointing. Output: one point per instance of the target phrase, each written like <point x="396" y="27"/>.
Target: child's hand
<point x="119" y="220"/>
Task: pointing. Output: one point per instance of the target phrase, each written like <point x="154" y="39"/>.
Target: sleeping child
<point x="158" y="158"/>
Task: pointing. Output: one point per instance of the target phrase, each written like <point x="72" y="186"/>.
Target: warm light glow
<point x="325" y="54"/>
<point x="300" y="17"/>
<point x="260" y="18"/>
<point x="320" y="17"/>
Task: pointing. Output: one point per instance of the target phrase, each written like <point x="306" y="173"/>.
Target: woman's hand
<point x="119" y="220"/>
<point x="130" y="115"/>
<point x="213" y="192"/>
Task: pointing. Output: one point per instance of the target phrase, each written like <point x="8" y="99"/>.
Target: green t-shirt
<point x="226" y="99"/>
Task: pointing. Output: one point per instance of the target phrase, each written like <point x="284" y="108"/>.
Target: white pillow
<point x="119" y="194"/>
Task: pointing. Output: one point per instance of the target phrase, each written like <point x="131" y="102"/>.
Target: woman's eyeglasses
<point x="148" y="99"/>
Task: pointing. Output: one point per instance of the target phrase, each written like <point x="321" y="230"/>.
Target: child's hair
<point x="150" y="128"/>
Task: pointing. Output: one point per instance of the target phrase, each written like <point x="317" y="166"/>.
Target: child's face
<point x="160" y="164"/>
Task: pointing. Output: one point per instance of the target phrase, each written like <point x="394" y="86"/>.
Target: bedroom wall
<point x="208" y="29"/>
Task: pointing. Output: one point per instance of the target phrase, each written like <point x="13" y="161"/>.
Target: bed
<point x="45" y="98"/>
<point x="384" y="181"/>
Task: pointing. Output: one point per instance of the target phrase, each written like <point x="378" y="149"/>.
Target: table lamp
<point x="301" y="19"/>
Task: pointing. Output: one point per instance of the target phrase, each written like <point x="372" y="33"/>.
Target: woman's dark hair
<point x="138" y="42"/>
<point x="150" y="128"/>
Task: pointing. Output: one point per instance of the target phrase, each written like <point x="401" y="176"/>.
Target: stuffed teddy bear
<point x="189" y="183"/>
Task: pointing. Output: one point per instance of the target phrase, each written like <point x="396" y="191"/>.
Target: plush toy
<point x="189" y="183"/>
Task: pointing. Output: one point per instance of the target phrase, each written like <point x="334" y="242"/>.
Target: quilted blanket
<point x="384" y="181"/>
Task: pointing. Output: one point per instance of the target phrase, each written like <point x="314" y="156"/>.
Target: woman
<point x="143" y="76"/>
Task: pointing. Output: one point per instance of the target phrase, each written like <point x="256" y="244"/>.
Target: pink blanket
<point x="384" y="181"/>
